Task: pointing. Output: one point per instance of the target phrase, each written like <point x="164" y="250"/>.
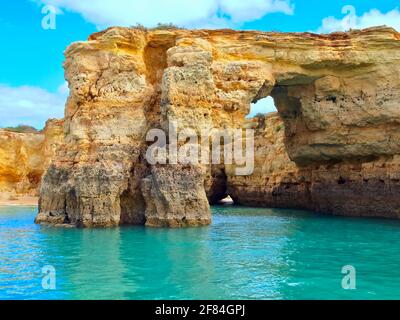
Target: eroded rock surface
<point x="352" y="187"/>
<point x="24" y="157"/>
<point x="336" y="152"/>
<point x="175" y="196"/>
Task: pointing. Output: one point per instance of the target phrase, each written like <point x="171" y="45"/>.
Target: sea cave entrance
<point x="226" y="201"/>
<point x="217" y="188"/>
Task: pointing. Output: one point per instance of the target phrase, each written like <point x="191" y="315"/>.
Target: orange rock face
<point x="24" y="157"/>
<point x="336" y="150"/>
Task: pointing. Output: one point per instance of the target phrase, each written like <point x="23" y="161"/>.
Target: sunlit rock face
<point x="24" y="157"/>
<point x="336" y="150"/>
<point x="175" y="196"/>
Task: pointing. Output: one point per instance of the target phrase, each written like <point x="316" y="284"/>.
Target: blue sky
<point x="32" y="86"/>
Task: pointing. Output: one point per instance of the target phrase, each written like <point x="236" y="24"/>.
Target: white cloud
<point x="240" y="10"/>
<point x="192" y="14"/>
<point x="352" y="21"/>
<point x="30" y="105"/>
<point x="63" y="89"/>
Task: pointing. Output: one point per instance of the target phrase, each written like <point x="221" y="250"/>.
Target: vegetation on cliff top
<point x="22" y="128"/>
<point x="160" y="26"/>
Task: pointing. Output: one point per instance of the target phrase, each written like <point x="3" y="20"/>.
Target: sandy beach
<point x="7" y="200"/>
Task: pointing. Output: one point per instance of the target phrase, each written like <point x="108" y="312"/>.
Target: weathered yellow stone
<point x="24" y="157"/>
<point x="338" y="101"/>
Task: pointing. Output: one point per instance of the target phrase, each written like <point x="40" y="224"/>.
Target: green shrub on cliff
<point x="22" y="128"/>
<point x="160" y="26"/>
<point x="166" y="26"/>
<point x="260" y="115"/>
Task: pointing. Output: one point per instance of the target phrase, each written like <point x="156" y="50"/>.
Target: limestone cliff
<point x="336" y="151"/>
<point x="358" y="187"/>
<point x="24" y="157"/>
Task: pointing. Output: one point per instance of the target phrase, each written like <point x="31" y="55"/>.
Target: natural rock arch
<point x="337" y="97"/>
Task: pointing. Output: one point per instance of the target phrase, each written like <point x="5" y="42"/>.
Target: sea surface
<point x="247" y="253"/>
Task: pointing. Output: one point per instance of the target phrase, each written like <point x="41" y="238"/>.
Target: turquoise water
<point x="247" y="253"/>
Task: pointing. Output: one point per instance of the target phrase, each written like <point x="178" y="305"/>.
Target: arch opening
<point x="262" y="107"/>
<point x="226" y="201"/>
